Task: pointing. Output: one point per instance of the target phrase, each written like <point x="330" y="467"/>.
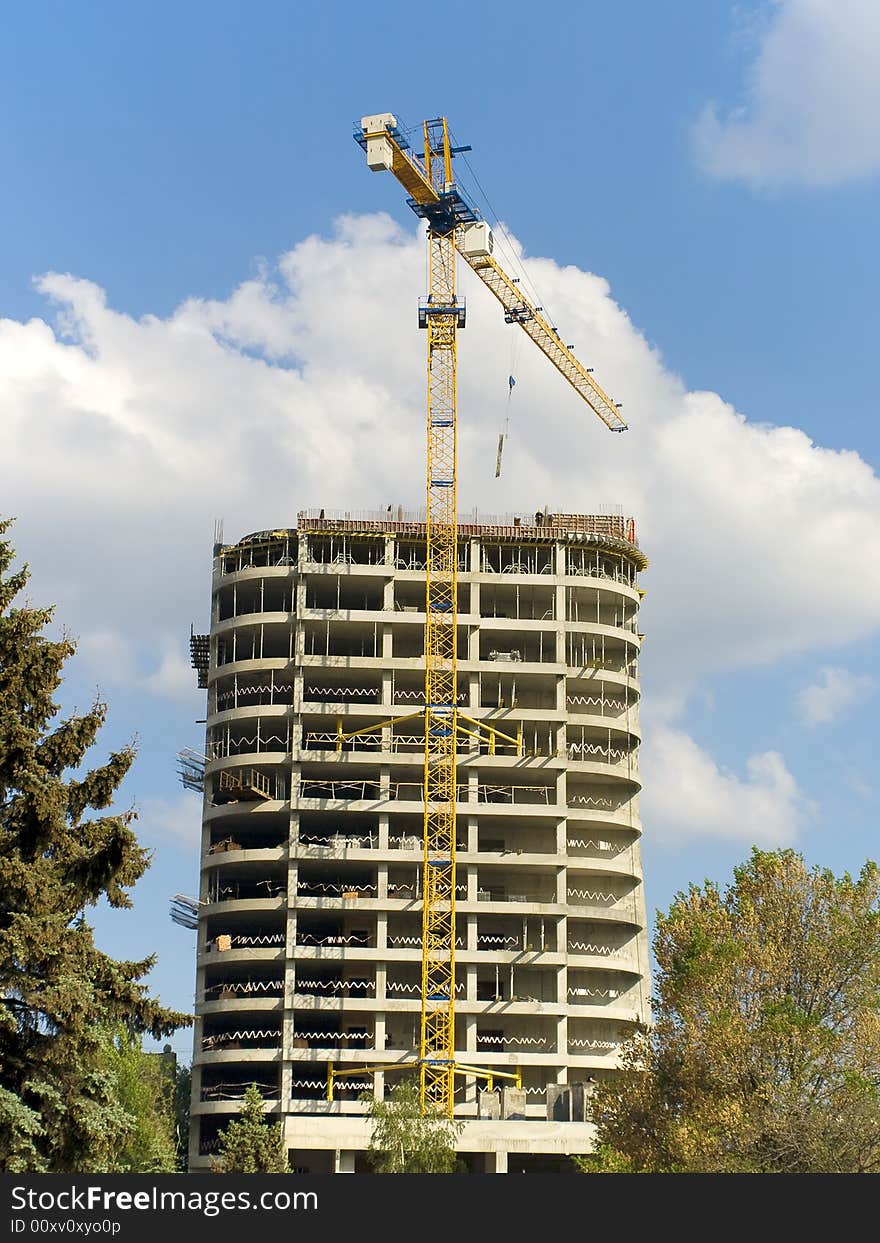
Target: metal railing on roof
<point x="534" y="524"/>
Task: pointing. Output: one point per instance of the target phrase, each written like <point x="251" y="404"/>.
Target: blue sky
<point x="715" y="163"/>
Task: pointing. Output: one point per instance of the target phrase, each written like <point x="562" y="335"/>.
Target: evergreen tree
<point x="59" y="994"/>
<point x="405" y="1141"/>
<point x="250" y="1144"/>
<point x="764" y="1056"/>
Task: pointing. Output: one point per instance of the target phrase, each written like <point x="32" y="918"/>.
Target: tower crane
<point x="454" y="227"/>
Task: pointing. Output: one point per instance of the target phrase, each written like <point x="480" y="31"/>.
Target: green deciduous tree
<point x="59" y="994"/>
<point x="141" y="1089"/>
<point x="182" y="1091"/>
<point x="765" y="1050"/>
<point x="403" y="1141"/>
<point x="250" y="1144"/>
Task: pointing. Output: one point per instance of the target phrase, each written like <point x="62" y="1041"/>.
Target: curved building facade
<point x="309" y="929"/>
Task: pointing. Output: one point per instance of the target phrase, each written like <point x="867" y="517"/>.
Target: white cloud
<point x="687" y="795"/>
<point x="150" y="428"/>
<point x="832" y="693"/>
<point x="174" y="678"/>
<point x="811" y="114"/>
<point x="108" y="655"/>
<point x="113" y="659"/>
<point x="306" y="388"/>
<point x="178" y="821"/>
<point x="853" y="780"/>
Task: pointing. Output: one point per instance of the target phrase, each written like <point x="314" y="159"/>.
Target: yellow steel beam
<point x="469" y="733"/>
<point x="458" y="1068"/>
<point x="437" y="1033"/>
<point x="545" y="337"/>
<point x="371" y="729"/>
<point x="489" y="1072"/>
<point x="483" y="728"/>
<point x="405" y="166"/>
<point x="491" y="729"/>
<point x="333" y="1074"/>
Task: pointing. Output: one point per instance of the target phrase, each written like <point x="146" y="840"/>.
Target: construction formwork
<point x="310" y="918"/>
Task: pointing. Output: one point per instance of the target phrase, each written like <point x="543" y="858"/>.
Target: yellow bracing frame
<point x="437" y="1051"/>
<point x="519" y="310"/>
<point x="482" y="731"/>
<point x="489" y="1074"/>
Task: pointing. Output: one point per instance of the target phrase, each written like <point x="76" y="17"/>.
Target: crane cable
<point x="503" y="435"/>
<point x="498" y="227"/>
<point x="515" y="343"/>
<point x="513" y="261"/>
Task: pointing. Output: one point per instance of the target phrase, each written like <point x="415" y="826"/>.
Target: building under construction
<point x="310" y="916"/>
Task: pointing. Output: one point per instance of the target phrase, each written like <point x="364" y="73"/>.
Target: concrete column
<point x="299" y="594"/>
<point x="473" y="647"/>
<point x="496" y="1162"/>
<point x="287" y="1066"/>
<point x="472" y="558"/>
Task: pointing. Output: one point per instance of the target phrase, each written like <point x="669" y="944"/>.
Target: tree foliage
<point x="182" y="1092"/>
<point x="403" y="1141"/>
<point x="250" y="1144"/>
<point x="764" y="1055"/>
<point x="142" y="1089"/>
<point x="59" y="994"/>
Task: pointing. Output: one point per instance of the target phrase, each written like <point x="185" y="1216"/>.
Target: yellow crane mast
<point x="453" y="226"/>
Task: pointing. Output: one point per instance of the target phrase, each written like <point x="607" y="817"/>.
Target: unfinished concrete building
<point x="309" y="928"/>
